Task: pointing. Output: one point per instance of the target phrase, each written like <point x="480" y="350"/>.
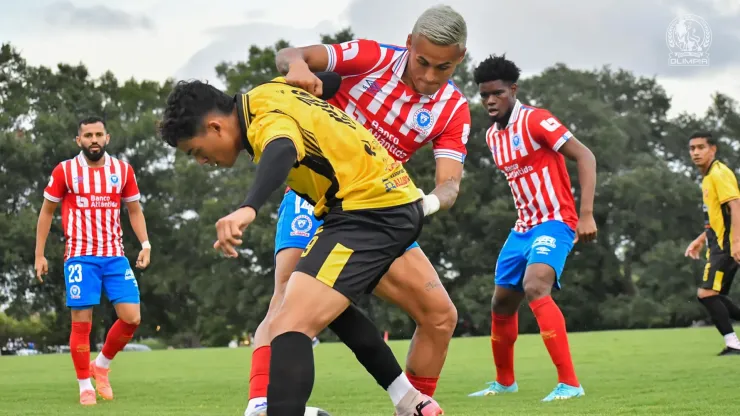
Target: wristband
<point x="145" y="245"/>
<point x="431" y="204"/>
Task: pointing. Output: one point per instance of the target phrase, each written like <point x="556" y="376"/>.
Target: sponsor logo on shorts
<point x="301" y="226"/>
<point x="543" y="244"/>
<point x="74" y="292"/>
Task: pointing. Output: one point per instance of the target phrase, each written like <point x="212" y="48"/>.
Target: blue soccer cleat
<point x="494" y="388"/>
<point x="564" y="392"/>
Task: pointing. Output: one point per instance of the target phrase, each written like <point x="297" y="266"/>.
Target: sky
<point x="157" y="39"/>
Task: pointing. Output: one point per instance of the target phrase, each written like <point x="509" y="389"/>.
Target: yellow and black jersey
<point x="719" y="186"/>
<point x="340" y="163"/>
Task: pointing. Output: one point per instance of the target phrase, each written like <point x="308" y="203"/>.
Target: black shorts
<point x="352" y="250"/>
<point x="719" y="272"/>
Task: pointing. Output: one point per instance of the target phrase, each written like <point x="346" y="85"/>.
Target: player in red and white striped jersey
<point x="91" y="188"/>
<point x="404" y="96"/>
<point x="528" y="145"/>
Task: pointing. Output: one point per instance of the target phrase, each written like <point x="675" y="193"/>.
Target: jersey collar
<point x="244" y="116"/>
<point x="83" y="161"/>
<point x="513" y="117"/>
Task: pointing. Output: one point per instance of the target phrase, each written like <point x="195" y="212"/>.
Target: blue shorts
<point x="87" y="276"/>
<point x="548" y="243"/>
<point x="296" y="223"/>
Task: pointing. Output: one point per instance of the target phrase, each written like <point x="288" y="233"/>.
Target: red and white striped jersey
<point x="526" y="151"/>
<point x="91" y="204"/>
<point x="401" y="119"/>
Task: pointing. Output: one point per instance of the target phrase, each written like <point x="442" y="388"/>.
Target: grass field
<point x="659" y="372"/>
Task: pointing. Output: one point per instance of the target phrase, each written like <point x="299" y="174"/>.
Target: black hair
<point x="90" y="120"/>
<point x="187" y="105"/>
<point x="704" y="135"/>
<point x="496" y="68"/>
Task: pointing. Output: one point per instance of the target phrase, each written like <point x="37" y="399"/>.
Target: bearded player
<point x="404" y="96"/>
<point x="91" y="187"/>
<point x="528" y="145"/>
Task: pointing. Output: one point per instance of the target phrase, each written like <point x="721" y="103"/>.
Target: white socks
<point x="398" y="389"/>
<point x="85" y="385"/>
<point x="102" y="362"/>
<point x="732" y="341"/>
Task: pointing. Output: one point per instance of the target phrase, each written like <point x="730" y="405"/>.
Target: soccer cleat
<point x="564" y="392"/>
<point x="87" y="398"/>
<point x="417" y="404"/>
<point x="729" y="351"/>
<point x="102" y="384"/>
<point x="494" y="388"/>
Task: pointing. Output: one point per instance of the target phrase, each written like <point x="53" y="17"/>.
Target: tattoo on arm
<point x="447" y="193"/>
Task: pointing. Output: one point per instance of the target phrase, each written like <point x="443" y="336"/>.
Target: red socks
<point x="118" y="336"/>
<point x="79" y="347"/>
<point x="259" y="376"/>
<point x="504" y="331"/>
<point x="426" y="385"/>
<point x="552" y="328"/>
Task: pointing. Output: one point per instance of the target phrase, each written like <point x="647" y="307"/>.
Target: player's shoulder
<point x="390" y="47"/>
<point x="721" y="170"/>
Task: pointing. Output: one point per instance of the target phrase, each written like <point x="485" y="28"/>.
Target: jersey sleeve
<point x="57" y="186"/>
<point x="130" y="191"/>
<point x="725" y="183"/>
<point x="451" y="142"/>
<point x="270" y="126"/>
<point x="354" y="57"/>
<point x="547" y="130"/>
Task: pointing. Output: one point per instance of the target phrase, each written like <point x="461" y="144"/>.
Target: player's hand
<point x="143" y="260"/>
<point x="586" y="229"/>
<point x="301" y="76"/>
<point x="229" y="230"/>
<point x="42" y="268"/>
<point x="694" y="248"/>
<point x="736" y="251"/>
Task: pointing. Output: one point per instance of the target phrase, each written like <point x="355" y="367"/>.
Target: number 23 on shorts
<point x="75" y="273"/>
<point x="310" y="244"/>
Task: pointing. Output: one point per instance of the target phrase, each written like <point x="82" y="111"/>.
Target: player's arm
<point x="549" y="131"/>
<point x="53" y="194"/>
<point x="449" y="154"/>
<point x="130" y="195"/>
<point x="348" y="58"/>
<point x="725" y="183"/>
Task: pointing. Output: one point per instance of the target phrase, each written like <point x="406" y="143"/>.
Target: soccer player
<point x="404" y="96"/>
<point x="722" y="236"/>
<point x="371" y="210"/>
<point x="91" y="188"/>
<point x="528" y="145"/>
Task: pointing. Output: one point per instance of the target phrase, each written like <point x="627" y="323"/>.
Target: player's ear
<point x="513" y="88"/>
<point x="462" y="55"/>
<point x="408" y="42"/>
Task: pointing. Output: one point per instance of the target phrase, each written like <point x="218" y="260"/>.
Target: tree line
<point x="647" y="208"/>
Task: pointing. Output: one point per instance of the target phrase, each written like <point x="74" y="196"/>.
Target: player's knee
<point x="536" y="289"/>
<point x="702" y="293"/>
<point x="441" y="322"/>
<point x="133" y="319"/>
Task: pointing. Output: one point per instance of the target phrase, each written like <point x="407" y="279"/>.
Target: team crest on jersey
<point x="301" y="226"/>
<point x="423" y="120"/>
<point x="516" y="141"/>
<point x="114" y="179"/>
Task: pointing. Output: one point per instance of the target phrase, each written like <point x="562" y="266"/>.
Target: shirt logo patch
<point x="423" y="119"/>
<point x="114" y="179"/>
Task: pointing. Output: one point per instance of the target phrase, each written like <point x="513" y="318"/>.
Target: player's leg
<point x="731" y="306"/>
<point x="412" y="284"/>
<point x="121" y="288"/>
<point x="346" y="260"/>
<point x="507" y="296"/>
<point x="718" y="274"/>
<point x="295" y="227"/>
<point x="82" y="277"/>
<point x="551" y="243"/>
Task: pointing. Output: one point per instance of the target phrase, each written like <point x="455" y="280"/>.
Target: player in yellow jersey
<point x="722" y="236"/>
<point x="372" y="212"/>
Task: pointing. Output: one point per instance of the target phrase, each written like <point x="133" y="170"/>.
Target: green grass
<point x="659" y="372"/>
